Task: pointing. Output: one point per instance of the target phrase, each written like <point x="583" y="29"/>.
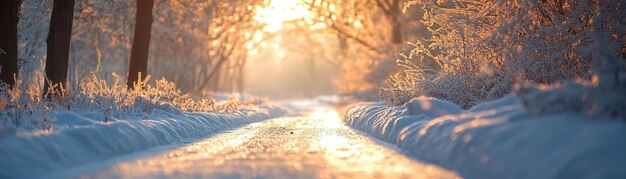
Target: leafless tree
<point x="141" y="42"/>
<point x="59" y="37"/>
<point x="8" y="45"/>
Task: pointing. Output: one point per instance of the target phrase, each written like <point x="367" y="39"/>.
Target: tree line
<point x="58" y="42"/>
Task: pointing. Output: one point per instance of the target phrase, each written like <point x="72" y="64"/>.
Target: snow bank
<point x="499" y="139"/>
<point x="80" y="138"/>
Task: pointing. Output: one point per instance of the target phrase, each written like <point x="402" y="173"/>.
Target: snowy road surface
<point x="316" y="145"/>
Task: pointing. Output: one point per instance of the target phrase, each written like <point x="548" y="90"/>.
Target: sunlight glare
<point x="280" y="11"/>
<point x="358" y="24"/>
<point x="329" y="118"/>
<point x="281" y="54"/>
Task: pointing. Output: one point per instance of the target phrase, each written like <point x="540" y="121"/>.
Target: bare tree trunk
<point x="241" y="77"/>
<point x="396" y="31"/>
<point x="218" y="80"/>
<point x="229" y="80"/>
<point x="59" y="37"/>
<point x="8" y="45"/>
<point x="312" y="74"/>
<point x="141" y="42"/>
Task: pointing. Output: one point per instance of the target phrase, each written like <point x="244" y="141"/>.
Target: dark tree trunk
<point x="141" y="42"/>
<point x="8" y="45"/>
<point x="59" y="37"/>
<point x="396" y="35"/>
<point x="241" y="77"/>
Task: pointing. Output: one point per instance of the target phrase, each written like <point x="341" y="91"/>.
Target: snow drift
<point x="500" y="139"/>
<point x="79" y="138"/>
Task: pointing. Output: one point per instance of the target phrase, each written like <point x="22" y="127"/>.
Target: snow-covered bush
<point x="25" y="106"/>
<point x="485" y="48"/>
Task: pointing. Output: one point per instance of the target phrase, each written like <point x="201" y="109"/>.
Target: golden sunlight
<point x="277" y="12"/>
<point x="329" y="117"/>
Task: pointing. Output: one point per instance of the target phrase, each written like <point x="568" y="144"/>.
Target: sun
<point x="277" y="12"/>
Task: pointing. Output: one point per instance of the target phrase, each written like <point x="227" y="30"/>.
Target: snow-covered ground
<point x="499" y="139"/>
<point x="313" y="145"/>
<point x="80" y="138"/>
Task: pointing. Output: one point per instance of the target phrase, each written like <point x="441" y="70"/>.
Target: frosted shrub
<point x="143" y="97"/>
<point x="484" y="48"/>
<point x="449" y="87"/>
<point x="603" y="96"/>
<point x="21" y="105"/>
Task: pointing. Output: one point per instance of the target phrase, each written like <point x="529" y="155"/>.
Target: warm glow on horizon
<point x="274" y="14"/>
<point x="277" y="12"/>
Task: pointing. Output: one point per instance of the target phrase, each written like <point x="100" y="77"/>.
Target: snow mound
<point x="500" y="139"/>
<point x="431" y="107"/>
<point x="78" y="139"/>
<point x="603" y="96"/>
<point x="66" y="118"/>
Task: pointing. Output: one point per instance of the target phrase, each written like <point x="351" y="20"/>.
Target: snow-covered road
<point x="315" y="145"/>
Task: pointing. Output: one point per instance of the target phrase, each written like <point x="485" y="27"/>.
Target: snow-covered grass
<point x="24" y="106"/>
<point x="567" y="131"/>
<point x="94" y="121"/>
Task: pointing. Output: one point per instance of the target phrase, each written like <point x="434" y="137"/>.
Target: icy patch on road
<point x="80" y="138"/>
<point x="500" y="139"/>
